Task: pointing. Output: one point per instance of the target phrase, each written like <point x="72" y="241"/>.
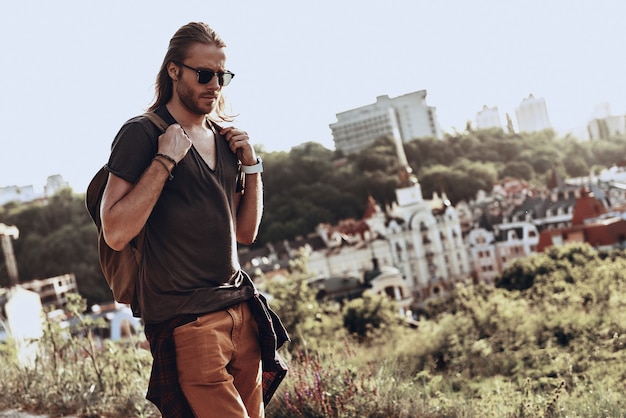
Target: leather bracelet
<point x="252" y="169"/>
<point x="169" y="173"/>
<point x="168" y="158"/>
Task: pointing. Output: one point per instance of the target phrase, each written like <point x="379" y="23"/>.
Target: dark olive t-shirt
<point x="190" y="263"/>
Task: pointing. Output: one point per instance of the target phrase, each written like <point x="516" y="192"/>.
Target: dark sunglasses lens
<point x="204" y="76"/>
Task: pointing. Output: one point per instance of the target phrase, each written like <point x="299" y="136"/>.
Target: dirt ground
<point x="13" y="413"/>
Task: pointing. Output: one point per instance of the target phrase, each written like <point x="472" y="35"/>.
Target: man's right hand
<point x="174" y="142"/>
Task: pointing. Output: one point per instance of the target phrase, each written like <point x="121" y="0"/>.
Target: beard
<point x="192" y="101"/>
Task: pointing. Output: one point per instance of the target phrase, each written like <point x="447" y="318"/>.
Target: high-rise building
<point x="54" y="184"/>
<point x="488" y="118"/>
<point x="606" y="127"/>
<point x="406" y="117"/>
<point x="532" y="115"/>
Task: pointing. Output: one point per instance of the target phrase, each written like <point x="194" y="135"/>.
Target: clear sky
<point x="73" y="70"/>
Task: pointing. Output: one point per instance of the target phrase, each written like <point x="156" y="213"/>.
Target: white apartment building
<point x="488" y="117"/>
<point x="532" y="115"/>
<point x="604" y="128"/>
<point x="54" y="184"/>
<point x="406" y="117"/>
<point x="53" y="291"/>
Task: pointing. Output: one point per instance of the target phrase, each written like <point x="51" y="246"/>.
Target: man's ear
<point x="172" y="70"/>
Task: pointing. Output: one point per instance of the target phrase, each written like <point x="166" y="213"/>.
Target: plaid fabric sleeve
<point x="272" y="336"/>
<point x="164" y="391"/>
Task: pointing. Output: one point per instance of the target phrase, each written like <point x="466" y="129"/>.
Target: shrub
<point x="74" y="373"/>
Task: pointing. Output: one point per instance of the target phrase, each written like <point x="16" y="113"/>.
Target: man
<point x="197" y="189"/>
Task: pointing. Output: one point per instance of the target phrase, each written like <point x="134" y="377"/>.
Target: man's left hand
<point x="239" y="143"/>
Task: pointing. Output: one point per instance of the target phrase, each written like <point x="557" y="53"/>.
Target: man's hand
<point x="239" y="143"/>
<point x="174" y="142"/>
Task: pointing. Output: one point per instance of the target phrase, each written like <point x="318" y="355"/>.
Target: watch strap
<point x="253" y="169"/>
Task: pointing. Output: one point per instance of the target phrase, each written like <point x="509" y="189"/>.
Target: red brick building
<point x="591" y="223"/>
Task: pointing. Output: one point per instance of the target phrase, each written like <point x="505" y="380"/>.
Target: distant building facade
<point x="406" y="117"/>
<point x="532" y="115"/>
<point x="53" y="291"/>
<point x="591" y="223"/>
<point x="516" y="221"/>
<point x="606" y="127"/>
<point x="20" y="194"/>
<point x="54" y="184"/>
<point x="493" y="251"/>
<point x="488" y="117"/>
<point x="386" y="281"/>
<point x="428" y="247"/>
<point x="25" y="194"/>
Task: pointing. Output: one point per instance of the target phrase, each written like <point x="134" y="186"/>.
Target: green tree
<point x="370" y="317"/>
<point x="460" y="182"/>
<point x="576" y="166"/>
<point x="524" y="272"/>
<point x="608" y="153"/>
<point x="58" y="238"/>
<point x="517" y="169"/>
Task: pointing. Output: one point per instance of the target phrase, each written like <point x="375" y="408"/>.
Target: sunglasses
<point x="205" y="76"/>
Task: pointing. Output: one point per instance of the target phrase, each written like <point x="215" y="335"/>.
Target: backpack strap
<point x="137" y="242"/>
<point x="157" y="120"/>
<point x="241" y="176"/>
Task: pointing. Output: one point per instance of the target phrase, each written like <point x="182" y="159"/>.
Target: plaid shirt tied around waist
<point x="165" y="391"/>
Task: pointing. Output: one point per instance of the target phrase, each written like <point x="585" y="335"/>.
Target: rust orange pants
<point x="219" y="364"/>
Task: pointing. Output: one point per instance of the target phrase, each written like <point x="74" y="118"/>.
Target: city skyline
<point x="74" y="72"/>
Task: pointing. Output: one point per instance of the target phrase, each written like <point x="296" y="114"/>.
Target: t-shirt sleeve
<point x="133" y="148"/>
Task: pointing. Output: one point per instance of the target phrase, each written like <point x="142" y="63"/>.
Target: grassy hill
<point x="547" y="341"/>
